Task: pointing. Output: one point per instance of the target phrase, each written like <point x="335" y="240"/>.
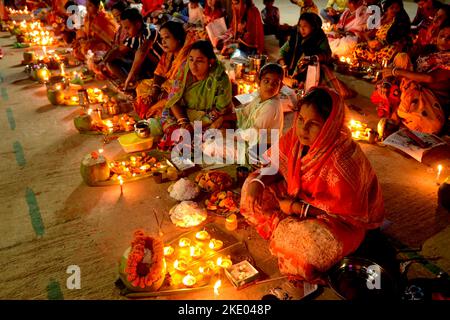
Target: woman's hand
<point x="387" y="72"/>
<point x="286" y="205"/>
<point x="254" y="195"/>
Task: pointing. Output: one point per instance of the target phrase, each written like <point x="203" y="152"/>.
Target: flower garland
<point x="145" y="262"/>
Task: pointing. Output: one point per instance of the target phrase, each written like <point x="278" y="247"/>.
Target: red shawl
<point x="334" y="175"/>
<point x="254" y="30"/>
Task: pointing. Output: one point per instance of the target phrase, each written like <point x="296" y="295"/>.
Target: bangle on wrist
<point x="393" y="71"/>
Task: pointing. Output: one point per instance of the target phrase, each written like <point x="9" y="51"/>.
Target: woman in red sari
<point x="325" y="196"/>
<point x="247" y="26"/>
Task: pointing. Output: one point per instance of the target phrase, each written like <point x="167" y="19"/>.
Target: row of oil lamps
<point x="189" y="253"/>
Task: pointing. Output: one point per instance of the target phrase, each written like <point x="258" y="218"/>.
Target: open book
<point x="216" y="29"/>
<point x="413" y="143"/>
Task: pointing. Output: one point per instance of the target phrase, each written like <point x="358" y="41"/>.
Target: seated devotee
<point x="306" y="6"/>
<point x="307" y="40"/>
<point x="391" y="37"/>
<point x="98" y="31"/>
<point x="425" y="93"/>
<point x="246" y="28"/>
<point x="349" y="29"/>
<point x="65" y="29"/>
<point x="325" y="196"/>
<point x="271" y="17"/>
<point x="213" y="10"/>
<point x="427" y="36"/>
<point x="331" y="14"/>
<point x="426" y="10"/>
<point x="121" y="35"/>
<point x="201" y="92"/>
<point x="144" y="45"/>
<point x="309" y="44"/>
<point x="152" y="93"/>
<point x="193" y="13"/>
<point x="264" y="112"/>
<point x="172" y="6"/>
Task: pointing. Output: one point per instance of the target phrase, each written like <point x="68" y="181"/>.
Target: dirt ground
<point x="51" y="220"/>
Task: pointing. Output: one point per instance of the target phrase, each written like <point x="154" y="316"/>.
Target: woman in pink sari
<point x="325" y="197"/>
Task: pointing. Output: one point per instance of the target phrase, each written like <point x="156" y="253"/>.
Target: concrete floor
<point x="50" y="219"/>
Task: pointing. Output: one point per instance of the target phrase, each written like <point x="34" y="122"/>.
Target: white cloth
<point x="355" y="24"/>
<point x="195" y="15"/>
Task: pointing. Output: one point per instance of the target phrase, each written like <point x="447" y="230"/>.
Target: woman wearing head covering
<point x="309" y="43"/>
<point x="201" y="92"/>
<point x="392" y="36"/>
<point x="307" y="40"/>
<point x="325" y="196"/>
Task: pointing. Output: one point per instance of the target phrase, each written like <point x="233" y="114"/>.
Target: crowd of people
<point x="325" y="195"/>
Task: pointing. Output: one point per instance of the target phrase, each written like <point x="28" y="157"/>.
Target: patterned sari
<point x="335" y="177"/>
<point x="203" y="100"/>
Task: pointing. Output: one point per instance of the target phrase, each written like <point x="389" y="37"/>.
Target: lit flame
<point x="62" y="69"/>
<point x="439" y="167"/>
<point x="189" y="280"/>
<point x="120" y="180"/>
<point x="217" y="285"/>
<point x="168" y="250"/>
<point x="184" y="242"/>
<point x="89" y="112"/>
<point x="100" y="151"/>
<point x="202" y="235"/>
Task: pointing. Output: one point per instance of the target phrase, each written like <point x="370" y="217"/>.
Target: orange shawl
<point x="102" y="27"/>
<point x="334" y="175"/>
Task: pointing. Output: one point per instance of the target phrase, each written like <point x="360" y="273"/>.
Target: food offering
<point x="212" y="181"/>
<point x="90" y="123"/>
<point x="223" y="203"/>
<point x="128" y="168"/>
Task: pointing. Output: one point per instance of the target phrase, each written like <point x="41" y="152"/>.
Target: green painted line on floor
<point x="35" y="213"/>
<point x="5" y="95"/>
<point x="54" y="291"/>
<point x="20" y="156"/>
<point x="10" y="116"/>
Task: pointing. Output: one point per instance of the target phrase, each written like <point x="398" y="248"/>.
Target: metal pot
<point x="355" y="278"/>
<point x="257" y="61"/>
<point x="142" y="129"/>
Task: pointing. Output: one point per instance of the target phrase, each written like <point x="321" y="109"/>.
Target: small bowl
<point x="142" y="129"/>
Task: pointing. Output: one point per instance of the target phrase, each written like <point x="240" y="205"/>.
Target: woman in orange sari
<point x="325" y="196"/>
<point x="98" y="32"/>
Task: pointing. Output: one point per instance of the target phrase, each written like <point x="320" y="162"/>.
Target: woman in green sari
<point x="201" y="92"/>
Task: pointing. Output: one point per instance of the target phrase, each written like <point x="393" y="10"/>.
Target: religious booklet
<point x="414" y="143"/>
<point x="216" y="29"/>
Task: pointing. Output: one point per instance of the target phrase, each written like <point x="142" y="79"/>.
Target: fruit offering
<point x="223" y="202"/>
<point x="212" y="181"/>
